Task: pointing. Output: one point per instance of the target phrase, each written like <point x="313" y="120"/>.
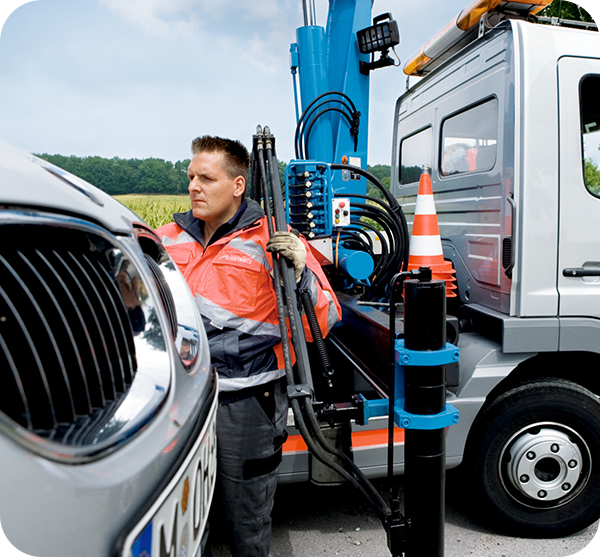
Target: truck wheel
<point x="534" y="457"/>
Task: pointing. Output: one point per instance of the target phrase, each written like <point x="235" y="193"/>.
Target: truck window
<point x="469" y="140"/>
<point x="415" y="151"/>
<point x="590" y="131"/>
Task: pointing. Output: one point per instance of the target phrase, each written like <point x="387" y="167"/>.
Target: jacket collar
<point x="248" y="213"/>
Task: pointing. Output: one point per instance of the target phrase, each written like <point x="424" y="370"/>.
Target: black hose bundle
<point x="310" y="116"/>
<point x="300" y="379"/>
<point x="391" y="220"/>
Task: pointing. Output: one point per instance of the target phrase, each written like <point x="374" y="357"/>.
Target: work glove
<point x="288" y="245"/>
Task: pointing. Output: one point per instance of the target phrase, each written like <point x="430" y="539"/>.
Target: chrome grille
<point x="67" y="352"/>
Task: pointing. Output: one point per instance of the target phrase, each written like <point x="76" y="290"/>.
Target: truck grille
<point x="67" y="355"/>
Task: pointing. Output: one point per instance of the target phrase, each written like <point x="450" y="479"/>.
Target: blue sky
<point x="141" y="78"/>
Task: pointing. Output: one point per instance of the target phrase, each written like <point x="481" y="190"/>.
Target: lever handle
<point x="581" y="272"/>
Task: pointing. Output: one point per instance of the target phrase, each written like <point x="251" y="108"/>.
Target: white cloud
<point x="262" y="56"/>
<point x="165" y="18"/>
<point x="161" y="18"/>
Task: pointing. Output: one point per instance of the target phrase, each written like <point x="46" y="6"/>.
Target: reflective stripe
<point x="370" y="439"/>
<point x="182" y="238"/>
<point x="425" y="205"/>
<point x="237" y="383"/>
<point x="225" y="318"/>
<point x="425" y="245"/>
<point x="332" y="314"/>
<point x="251" y="249"/>
<point x="375" y="438"/>
<point x="312" y="288"/>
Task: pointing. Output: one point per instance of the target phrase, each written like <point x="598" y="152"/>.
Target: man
<point x="222" y="248"/>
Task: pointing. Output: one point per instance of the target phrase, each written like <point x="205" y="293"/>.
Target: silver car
<point x="107" y="397"/>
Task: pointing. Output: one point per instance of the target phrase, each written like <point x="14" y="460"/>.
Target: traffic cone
<point x="425" y="248"/>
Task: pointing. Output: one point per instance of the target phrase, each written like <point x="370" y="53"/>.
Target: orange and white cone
<point x="425" y="249"/>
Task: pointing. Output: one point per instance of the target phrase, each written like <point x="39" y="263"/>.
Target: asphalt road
<point x="311" y="521"/>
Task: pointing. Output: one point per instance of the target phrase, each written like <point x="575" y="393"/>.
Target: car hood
<point x="44" y="186"/>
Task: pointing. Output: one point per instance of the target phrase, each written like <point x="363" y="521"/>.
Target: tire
<point x="533" y="460"/>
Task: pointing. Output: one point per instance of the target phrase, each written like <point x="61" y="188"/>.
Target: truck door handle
<point x="581" y="272"/>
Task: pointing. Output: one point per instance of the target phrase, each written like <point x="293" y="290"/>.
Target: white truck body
<point x="506" y="124"/>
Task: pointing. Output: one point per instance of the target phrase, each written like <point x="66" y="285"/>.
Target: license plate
<point x="174" y="524"/>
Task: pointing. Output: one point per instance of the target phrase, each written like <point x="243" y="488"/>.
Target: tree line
<point x="153" y="176"/>
<point x="118" y="176"/>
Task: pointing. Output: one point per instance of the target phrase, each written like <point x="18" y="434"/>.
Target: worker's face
<point x="214" y="196"/>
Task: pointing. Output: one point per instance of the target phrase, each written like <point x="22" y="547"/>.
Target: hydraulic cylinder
<point x="425" y="394"/>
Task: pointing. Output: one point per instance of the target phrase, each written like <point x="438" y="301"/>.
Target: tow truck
<point x="505" y="119"/>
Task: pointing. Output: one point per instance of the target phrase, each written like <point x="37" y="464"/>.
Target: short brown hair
<point x="236" y="161"/>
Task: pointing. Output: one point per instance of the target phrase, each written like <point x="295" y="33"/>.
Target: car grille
<point x="67" y="355"/>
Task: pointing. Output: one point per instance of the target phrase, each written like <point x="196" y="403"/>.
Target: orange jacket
<point x="231" y="282"/>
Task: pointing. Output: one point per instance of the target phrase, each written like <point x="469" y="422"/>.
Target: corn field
<point x="156" y="210"/>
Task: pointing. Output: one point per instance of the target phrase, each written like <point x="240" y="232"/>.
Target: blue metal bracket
<point x="405" y="357"/>
<point x="449" y="416"/>
<point x="380" y="407"/>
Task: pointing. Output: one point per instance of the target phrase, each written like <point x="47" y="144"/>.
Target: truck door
<point x="579" y="212"/>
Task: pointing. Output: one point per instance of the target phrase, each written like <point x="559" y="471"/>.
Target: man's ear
<point x="239" y="186"/>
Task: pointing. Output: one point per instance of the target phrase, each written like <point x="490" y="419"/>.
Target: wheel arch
<point x="582" y="368"/>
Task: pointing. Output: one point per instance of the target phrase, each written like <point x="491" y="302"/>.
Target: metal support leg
<point x="425" y="394"/>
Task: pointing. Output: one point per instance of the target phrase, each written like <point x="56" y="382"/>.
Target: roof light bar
<point x="464" y="22"/>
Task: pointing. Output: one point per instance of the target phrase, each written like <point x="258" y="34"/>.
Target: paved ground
<point x="310" y="521"/>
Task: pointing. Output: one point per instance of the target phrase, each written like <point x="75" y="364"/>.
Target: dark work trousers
<point x="250" y="433"/>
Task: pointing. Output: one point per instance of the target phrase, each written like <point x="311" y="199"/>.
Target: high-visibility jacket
<point x="231" y="283"/>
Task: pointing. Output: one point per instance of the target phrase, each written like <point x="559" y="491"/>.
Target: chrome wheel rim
<point x="545" y="465"/>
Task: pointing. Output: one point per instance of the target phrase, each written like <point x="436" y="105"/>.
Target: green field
<point x="156" y="210"/>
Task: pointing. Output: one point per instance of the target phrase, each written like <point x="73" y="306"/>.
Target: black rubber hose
<point x="387" y="223"/>
<point x="315" y="329"/>
<point x="318" y="451"/>
<point x="392" y="201"/>
<point x="383" y="259"/>
<point x="254" y="190"/>
<point x="394" y="263"/>
<point x="307" y="110"/>
<point x="360" y="481"/>
<point x="392" y="224"/>
<point x="375" y="497"/>
<point x="289" y="281"/>
<point x="306" y="133"/>
<point x="306" y="115"/>
<point x="279" y="295"/>
<point x="354" y="238"/>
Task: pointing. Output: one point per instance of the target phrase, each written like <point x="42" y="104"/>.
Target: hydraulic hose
<point x="369" y="249"/>
<point x="393" y="202"/>
<point x="318" y="445"/>
<point x="392" y="219"/>
<point x="287" y="358"/>
<point x="289" y="279"/>
<point x="306" y="134"/>
<point x="319" y="342"/>
<point x="311" y="108"/>
<point x="394" y="261"/>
